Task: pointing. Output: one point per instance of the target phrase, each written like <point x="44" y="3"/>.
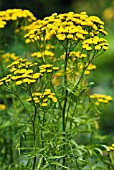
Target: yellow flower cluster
<point x="2" y="23"/>
<point x="42" y="54"/>
<point x="45" y="52"/>
<point x="14" y="14"/>
<point x="7" y="56"/>
<point x="100" y="98"/>
<point x="43" y="98"/>
<point x="2" y="106"/>
<point x="73" y="55"/>
<point x="22" y="72"/>
<point x="110" y="148"/>
<point x="95" y="43"/>
<point x="47" y="68"/>
<point x="65" y="26"/>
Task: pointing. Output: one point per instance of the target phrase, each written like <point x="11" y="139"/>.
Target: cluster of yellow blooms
<point x="95" y="43"/>
<point x="43" y="98"/>
<point x="66" y="26"/>
<point x="47" y="68"/>
<point x="73" y="55"/>
<point x="7" y="56"/>
<point x="22" y="72"/>
<point x="2" y="23"/>
<point x="44" y="54"/>
<point x="69" y="26"/>
<point x="14" y="14"/>
<point x="110" y="148"/>
<point x="2" y="106"/>
<point x="100" y="98"/>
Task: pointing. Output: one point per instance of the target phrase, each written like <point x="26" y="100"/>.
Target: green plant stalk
<point x="34" y="137"/>
<point x="34" y="130"/>
<point x="42" y="138"/>
<point x="65" y="102"/>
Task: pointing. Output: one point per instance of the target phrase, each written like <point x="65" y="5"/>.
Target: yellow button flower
<point x="44" y="104"/>
<point x="61" y="36"/>
<point x="1" y="83"/>
<point x="97" y="47"/>
<point x="54" y="99"/>
<point x="2" y="107"/>
<point x="19" y="82"/>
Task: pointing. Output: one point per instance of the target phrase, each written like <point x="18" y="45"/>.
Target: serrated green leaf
<point x="59" y="164"/>
<point x="6" y="124"/>
<point x="56" y="157"/>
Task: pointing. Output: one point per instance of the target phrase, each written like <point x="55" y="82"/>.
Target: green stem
<point x="42" y="138"/>
<point x="34" y="136"/>
<point x="65" y="102"/>
<point x="34" y="163"/>
<point x="34" y="130"/>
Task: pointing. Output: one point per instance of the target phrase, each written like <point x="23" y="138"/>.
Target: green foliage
<point x="49" y="118"/>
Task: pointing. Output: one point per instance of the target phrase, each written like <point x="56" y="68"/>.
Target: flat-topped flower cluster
<point x="69" y="26"/>
<point x="23" y="72"/>
<point x="9" y="56"/>
<point x="100" y="98"/>
<point x="43" y="98"/>
<point x="14" y="14"/>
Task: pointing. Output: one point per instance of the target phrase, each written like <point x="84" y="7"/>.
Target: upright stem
<point x="34" y="137"/>
<point x="65" y="102"/>
<point x="42" y="137"/>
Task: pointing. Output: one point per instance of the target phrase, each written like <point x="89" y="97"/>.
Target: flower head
<point x="43" y="98"/>
<point x="68" y="26"/>
<point x="100" y="98"/>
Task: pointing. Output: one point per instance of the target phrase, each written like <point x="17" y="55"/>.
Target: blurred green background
<point x="104" y="75"/>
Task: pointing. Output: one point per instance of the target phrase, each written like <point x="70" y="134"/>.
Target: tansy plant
<point x="54" y="119"/>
